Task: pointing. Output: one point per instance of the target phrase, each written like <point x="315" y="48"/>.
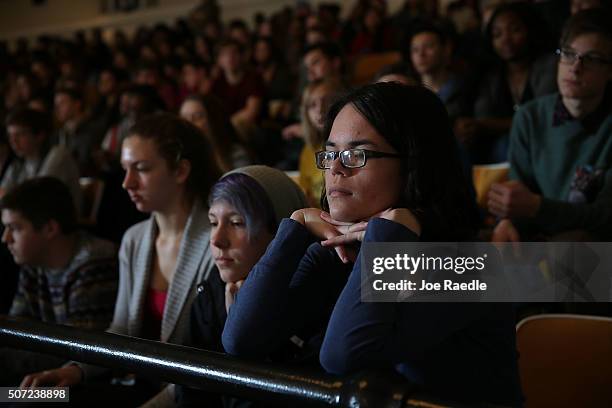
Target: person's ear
<point x="183" y="170"/>
<point x="51" y="229"/>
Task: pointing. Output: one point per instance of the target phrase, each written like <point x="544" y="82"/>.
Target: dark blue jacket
<point x="463" y="351"/>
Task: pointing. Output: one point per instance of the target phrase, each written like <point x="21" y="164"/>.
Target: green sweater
<point x="545" y="155"/>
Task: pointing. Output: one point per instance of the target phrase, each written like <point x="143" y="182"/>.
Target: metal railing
<point x="211" y="371"/>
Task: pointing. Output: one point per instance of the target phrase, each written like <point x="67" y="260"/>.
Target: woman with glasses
<point x="391" y="174"/>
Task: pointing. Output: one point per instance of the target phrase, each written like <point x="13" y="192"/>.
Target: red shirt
<point x="234" y="97"/>
<point x="154" y="306"/>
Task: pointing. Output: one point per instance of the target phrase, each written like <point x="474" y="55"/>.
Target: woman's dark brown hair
<point x="177" y="139"/>
<point x="414" y="121"/>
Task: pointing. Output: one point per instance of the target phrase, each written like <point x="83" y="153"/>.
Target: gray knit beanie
<point x="284" y="194"/>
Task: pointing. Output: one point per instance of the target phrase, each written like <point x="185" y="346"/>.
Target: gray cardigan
<point x="194" y="262"/>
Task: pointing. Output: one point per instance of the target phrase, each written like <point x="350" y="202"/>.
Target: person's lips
<point x="224" y="261"/>
<point x="571" y="82"/>
<point x="338" y="192"/>
<point x="136" y="198"/>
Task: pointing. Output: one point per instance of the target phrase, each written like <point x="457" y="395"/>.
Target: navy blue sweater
<point x="463" y="351"/>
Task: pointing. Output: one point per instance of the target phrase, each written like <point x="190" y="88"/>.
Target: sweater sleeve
<point x="276" y="298"/>
<point x="556" y="216"/>
<point x="19" y="307"/>
<point x="521" y="168"/>
<point x="381" y="335"/>
<point x="119" y="324"/>
<point x="357" y="330"/>
<point x="92" y="295"/>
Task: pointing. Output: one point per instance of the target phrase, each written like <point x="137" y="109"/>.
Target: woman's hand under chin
<point x="231" y="290"/>
<point x="351" y="233"/>
<point x="342" y="235"/>
<point x="314" y="223"/>
<point x="321" y="225"/>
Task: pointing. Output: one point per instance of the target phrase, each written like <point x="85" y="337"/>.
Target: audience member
<point x="560" y="145"/>
<point x="106" y="111"/>
<point x="378" y="190"/>
<point x="518" y="76"/>
<point x="239" y="88"/>
<point x="238" y="31"/>
<point x="316" y="101"/>
<point x="373" y="33"/>
<point x="67" y="276"/>
<point x="28" y="131"/>
<point x="246" y="207"/>
<point x="77" y="134"/>
<point x="206" y="113"/>
<point x="194" y="78"/>
<point x="135" y="102"/>
<point x="278" y="81"/>
<point x="169" y="171"/>
<point x="431" y="52"/>
<point x="323" y="60"/>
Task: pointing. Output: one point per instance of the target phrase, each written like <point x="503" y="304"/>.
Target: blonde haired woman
<point x="316" y="100"/>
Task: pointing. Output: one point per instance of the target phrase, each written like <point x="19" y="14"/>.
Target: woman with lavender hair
<point x="245" y="209"/>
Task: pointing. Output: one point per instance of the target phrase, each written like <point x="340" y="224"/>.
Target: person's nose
<point x="129" y="181"/>
<point x="219" y="237"/>
<point x="337" y="168"/>
<point x="7" y="237"/>
<point x="577" y="65"/>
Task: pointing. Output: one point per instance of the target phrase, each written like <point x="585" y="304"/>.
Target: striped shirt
<point x="81" y="295"/>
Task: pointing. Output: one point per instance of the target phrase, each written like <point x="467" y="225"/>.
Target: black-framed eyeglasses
<point x="569" y="57"/>
<point x="351" y="158"/>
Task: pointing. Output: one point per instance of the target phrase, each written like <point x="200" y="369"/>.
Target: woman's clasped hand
<point x="344" y="236"/>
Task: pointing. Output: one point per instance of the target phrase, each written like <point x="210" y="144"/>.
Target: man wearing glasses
<point x="561" y="145"/>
